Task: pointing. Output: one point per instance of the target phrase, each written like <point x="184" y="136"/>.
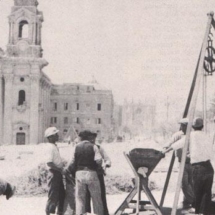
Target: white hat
<point x="51" y="131"/>
<point x="184" y="121"/>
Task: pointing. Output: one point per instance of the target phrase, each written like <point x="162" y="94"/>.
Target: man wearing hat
<point x="200" y="155"/>
<point x="85" y="161"/>
<point x="186" y="186"/>
<point x="56" y="193"/>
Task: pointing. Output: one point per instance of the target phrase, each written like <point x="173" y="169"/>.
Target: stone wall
<point x="88" y="108"/>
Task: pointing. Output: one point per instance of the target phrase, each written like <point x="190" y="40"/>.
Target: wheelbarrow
<point x="142" y="162"/>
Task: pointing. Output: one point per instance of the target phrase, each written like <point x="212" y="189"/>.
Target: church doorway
<point x="20" y="138"/>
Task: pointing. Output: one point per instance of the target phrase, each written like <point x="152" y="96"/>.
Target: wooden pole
<point x="184" y="115"/>
<point x="167" y="179"/>
<point x="205" y="117"/>
<point x="204" y="100"/>
<point x="192" y="112"/>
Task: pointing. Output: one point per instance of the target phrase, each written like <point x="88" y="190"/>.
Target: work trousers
<point x="69" y="202"/>
<point x="203" y="174"/>
<point x="187" y="185"/>
<point x="103" y="195"/>
<point x="56" y="193"/>
<point x="87" y="180"/>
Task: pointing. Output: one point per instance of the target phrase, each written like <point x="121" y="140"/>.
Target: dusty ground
<point x="36" y="205"/>
<point x="19" y="160"/>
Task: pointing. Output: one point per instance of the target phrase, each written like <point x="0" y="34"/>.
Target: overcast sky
<point x="139" y="49"/>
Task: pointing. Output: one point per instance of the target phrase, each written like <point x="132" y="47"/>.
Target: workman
<point x="106" y="163"/>
<point x="56" y="192"/>
<point x="186" y="186"/>
<point x="84" y="162"/>
<point x="201" y="151"/>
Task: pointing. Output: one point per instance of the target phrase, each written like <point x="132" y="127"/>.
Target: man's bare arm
<point x="54" y="167"/>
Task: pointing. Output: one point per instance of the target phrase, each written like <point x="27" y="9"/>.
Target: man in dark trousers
<point x="101" y="172"/>
<point x="84" y="161"/>
<point x="56" y="193"/>
<point x="186" y="186"/>
<point x="201" y="152"/>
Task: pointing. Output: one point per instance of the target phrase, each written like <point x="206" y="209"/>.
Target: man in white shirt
<point x="56" y="193"/>
<point x="187" y="176"/>
<point x="200" y="154"/>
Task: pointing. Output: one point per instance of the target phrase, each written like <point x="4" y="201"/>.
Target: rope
<point x="204" y="100"/>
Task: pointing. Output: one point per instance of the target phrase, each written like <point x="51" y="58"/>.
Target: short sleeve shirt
<point x="200" y="146"/>
<point x="53" y="155"/>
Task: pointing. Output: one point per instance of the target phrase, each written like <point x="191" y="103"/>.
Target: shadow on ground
<point x="167" y="211"/>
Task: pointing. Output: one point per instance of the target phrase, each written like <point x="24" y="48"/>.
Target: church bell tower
<point x="21" y="76"/>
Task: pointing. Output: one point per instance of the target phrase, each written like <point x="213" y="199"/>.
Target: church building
<point x="30" y="102"/>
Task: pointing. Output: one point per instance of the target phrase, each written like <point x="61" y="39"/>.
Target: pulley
<point x="209" y="61"/>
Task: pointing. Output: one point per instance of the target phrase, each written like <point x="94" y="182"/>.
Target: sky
<point x="140" y="49"/>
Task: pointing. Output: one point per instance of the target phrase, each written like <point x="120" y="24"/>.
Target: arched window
<point x="23" y="29"/>
<point x="21" y="97"/>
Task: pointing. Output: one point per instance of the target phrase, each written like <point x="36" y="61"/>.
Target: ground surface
<point x="20" y="160"/>
<point x="36" y="205"/>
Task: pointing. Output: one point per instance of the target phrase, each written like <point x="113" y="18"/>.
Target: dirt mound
<point x="35" y="183"/>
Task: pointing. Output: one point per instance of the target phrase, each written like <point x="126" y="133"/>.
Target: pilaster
<point x="41" y="111"/>
<point x="34" y="110"/>
<point x="1" y="109"/>
<point x="8" y="108"/>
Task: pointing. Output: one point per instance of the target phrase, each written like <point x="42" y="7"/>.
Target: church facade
<point x="29" y="98"/>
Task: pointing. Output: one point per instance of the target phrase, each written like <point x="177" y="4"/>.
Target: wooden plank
<point x="150" y="196"/>
<point x="131" y="165"/>
<point x="126" y="202"/>
<point x="167" y="179"/>
<point x="141" y="202"/>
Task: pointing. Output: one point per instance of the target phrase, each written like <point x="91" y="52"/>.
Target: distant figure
<point x="186" y="186"/>
<point x="56" y="193"/>
<point x="6" y="189"/>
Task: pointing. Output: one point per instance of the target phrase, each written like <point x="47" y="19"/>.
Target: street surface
<point x="36" y="205"/>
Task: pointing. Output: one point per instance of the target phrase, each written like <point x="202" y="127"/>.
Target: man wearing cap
<point x="200" y="155"/>
<point x="85" y="161"/>
<point x="186" y="186"/>
<point x="106" y="163"/>
<point x="56" y="193"/>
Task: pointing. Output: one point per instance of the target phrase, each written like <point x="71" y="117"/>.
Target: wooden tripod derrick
<point x="205" y="65"/>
